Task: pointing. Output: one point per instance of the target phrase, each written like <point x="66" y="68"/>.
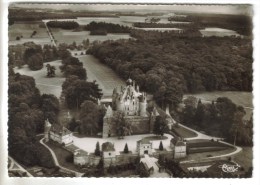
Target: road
<point x="50" y="35"/>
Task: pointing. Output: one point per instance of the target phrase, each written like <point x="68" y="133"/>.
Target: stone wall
<point x="140" y="125"/>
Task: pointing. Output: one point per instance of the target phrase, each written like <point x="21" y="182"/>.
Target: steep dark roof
<point x="59" y="129"/>
<point x="107" y="146"/>
<point x="144" y="141"/>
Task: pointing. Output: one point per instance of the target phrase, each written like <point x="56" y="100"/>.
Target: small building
<point x="80" y="157"/>
<point x="179" y="147"/>
<point x="109" y="151"/>
<point x="144" y="146"/>
<point x="60" y="134"/>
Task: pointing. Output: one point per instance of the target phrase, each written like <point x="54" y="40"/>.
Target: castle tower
<point x="142" y="106"/>
<point x="109" y="112"/>
<point x="47" y="127"/>
<point x="106" y="122"/>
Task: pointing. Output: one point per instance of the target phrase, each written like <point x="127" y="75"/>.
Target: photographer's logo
<point x="229" y="168"/>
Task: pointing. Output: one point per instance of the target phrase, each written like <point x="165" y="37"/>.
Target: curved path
<point x="78" y="174"/>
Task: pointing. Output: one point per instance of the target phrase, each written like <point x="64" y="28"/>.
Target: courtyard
<point x="89" y="144"/>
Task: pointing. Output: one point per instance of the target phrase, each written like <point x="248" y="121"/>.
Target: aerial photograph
<point x="130" y="90"/>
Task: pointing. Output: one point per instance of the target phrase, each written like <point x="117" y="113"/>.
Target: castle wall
<point x="140" y="125"/>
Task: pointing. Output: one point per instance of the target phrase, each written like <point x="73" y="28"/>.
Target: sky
<point x="221" y="9"/>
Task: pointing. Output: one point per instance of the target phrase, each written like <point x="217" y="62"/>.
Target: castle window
<point x="109" y="154"/>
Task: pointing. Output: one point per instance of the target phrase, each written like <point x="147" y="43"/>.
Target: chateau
<point x="133" y="104"/>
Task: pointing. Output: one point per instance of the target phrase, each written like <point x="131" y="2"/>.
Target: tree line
<point x="221" y="118"/>
<point x="67" y="25"/>
<point x="27" y="111"/>
<point x="101" y="28"/>
<point x="81" y="96"/>
<point x="32" y="54"/>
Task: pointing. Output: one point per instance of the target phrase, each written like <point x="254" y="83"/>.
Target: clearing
<point x="43" y="83"/>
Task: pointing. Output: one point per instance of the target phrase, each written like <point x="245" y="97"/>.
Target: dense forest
<point x="67" y="25"/>
<point x="168" y="66"/>
<point x="106" y="27"/>
<point x="27" y="112"/>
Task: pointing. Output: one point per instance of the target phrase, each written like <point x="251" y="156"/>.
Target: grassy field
<point x="105" y="76"/>
<point x="44" y="84"/>
<point x="244" y="99"/>
<point x="26" y="30"/>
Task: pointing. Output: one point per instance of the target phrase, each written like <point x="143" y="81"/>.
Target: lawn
<point x="44" y="84"/>
<point x="183" y="132"/>
<point x="105" y="76"/>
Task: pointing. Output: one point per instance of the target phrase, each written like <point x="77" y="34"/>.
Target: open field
<point x="105" y="76"/>
<point x="44" y="84"/>
<point x="244" y="99"/>
<point x="26" y="30"/>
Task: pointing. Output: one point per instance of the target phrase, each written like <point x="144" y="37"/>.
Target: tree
<point x="35" y="62"/>
<point x="160" y="126"/>
<point x="123" y="127"/>
<point x="97" y="150"/>
<point x="161" y="146"/>
<point x="126" y="149"/>
<point x="238" y="130"/>
<point x="50" y="70"/>
<point x="161" y="160"/>
<point x="200" y="112"/>
<point x="89" y="116"/>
